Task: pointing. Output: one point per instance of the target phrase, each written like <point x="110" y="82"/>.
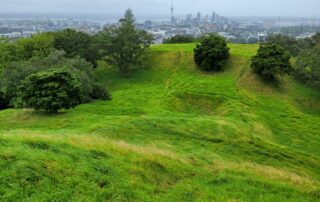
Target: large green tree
<point x="76" y="43"/>
<point x="289" y="43"/>
<point x="123" y="44"/>
<point x="307" y="67"/>
<point x="211" y="53"/>
<point x="270" y="62"/>
<point x="50" y="90"/>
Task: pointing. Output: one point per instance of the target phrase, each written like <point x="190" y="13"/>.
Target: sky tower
<point x="172" y="9"/>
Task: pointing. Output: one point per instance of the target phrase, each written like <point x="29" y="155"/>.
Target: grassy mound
<point x="171" y="133"/>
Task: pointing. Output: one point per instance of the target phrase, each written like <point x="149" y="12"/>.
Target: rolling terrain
<point x="170" y="133"/>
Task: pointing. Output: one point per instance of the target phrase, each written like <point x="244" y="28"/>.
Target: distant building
<point x="148" y="24"/>
<point x="172" y="16"/>
<point x="198" y="17"/>
<point x="205" y="19"/>
<point x="189" y="18"/>
<point x="213" y="18"/>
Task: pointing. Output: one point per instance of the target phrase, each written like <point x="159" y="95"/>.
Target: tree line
<point x="272" y="60"/>
<point x="54" y="71"/>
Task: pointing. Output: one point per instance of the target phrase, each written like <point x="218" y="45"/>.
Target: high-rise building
<point x="213" y="17"/>
<point x="198" y="17"/>
<point x="206" y="18"/>
<point x="189" y="17"/>
<point x="172" y="16"/>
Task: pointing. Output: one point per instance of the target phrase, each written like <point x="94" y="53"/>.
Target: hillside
<point x="170" y="133"/>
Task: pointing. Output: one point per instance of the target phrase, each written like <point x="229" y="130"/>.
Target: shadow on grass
<point x="49" y="114"/>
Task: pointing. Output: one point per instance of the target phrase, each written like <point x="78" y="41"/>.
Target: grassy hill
<point x="171" y="133"/>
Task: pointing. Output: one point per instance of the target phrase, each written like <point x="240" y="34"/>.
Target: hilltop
<point x="170" y="133"/>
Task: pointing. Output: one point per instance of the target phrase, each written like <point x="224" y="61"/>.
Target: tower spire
<point x="172" y="9"/>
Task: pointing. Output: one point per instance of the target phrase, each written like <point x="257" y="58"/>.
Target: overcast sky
<point x="307" y="8"/>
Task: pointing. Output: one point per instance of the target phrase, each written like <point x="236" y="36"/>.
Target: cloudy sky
<point x="307" y="8"/>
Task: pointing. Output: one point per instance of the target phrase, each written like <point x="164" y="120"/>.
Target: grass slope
<point x="171" y="133"/>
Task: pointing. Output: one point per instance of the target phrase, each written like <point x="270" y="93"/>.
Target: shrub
<point x="99" y="92"/>
<point x="179" y="39"/>
<point x="270" y="61"/>
<point x="211" y="53"/>
<point x="307" y="67"/>
<point x="50" y="90"/>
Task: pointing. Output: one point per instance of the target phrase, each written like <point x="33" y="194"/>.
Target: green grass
<point x="171" y="133"/>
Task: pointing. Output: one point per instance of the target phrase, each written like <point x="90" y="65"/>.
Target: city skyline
<point x="290" y="8"/>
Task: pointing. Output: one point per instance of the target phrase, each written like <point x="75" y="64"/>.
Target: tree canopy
<point x="271" y="61"/>
<point x="307" y="67"/>
<point x="50" y="90"/>
<point x="12" y="76"/>
<point x="124" y="45"/>
<point x="288" y="43"/>
<point x="211" y="53"/>
<point x="76" y="43"/>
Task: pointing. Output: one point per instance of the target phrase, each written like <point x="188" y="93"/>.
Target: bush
<point x="99" y="92"/>
<point x="50" y="90"/>
<point x="270" y="61"/>
<point x="179" y="39"/>
<point x="211" y="53"/>
<point x="307" y="67"/>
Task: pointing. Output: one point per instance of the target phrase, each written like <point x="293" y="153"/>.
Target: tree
<point x="15" y="72"/>
<point x="307" y="67"/>
<point x="270" y="61"/>
<point x="211" y="53"/>
<point x="39" y="45"/>
<point x="76" y="44"/>
<point x="124" y="45"/>
<point x="316" y="39"/>
<point x="289" y="43"/>
<point x="51" y="90"/>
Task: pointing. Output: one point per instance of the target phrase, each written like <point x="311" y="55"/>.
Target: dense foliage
<point x="211" y="53"/>
<point x="16" y="72"/>
<point x="3" y="101"/>
<point x="289" y="43"/>
<point x="50" y="90"/>
<point x="292" y="45"/>
<point x="76" y="44"/>
<point x="40" y="45"/>
<point x="179" y="39"/>
<point x="271" y="61"/>
<point x="307" y="67"/>
<point x="124" y="45"/>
